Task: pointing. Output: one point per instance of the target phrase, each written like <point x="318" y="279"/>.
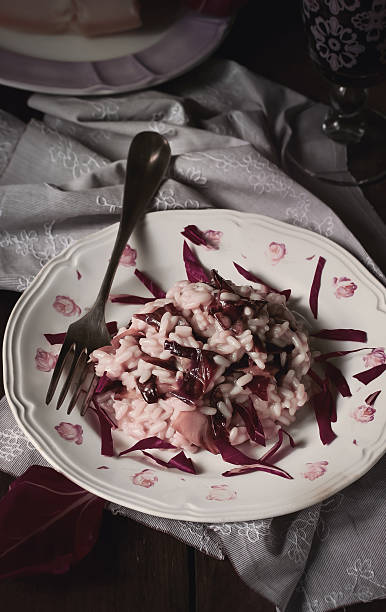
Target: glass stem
<point x="345" y="121"/>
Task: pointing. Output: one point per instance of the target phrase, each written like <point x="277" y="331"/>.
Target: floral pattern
<point x="376" y="357"/>
<point x="70" y="432"/>
<point x="213" y="239"/>
<point x="315" y="470"/>
<point x="335" y="43"/>
<point x="44" y="360"/>
<point x="372" y="22"/>
<point x="344" y="287"/>
<point x="128" y="257"/>
<point x="221" y="493"/>
<point x="276" y="251"/>
<point x="336" y="6"/>
<point x="66" y="306"/>
<point x="146" y="478"/>
<point x="363" y="414"/>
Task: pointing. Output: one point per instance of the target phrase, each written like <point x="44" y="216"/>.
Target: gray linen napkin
<point x="61" y="178"/>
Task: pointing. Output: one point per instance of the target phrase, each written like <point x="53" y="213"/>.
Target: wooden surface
<point x="133" y="568"/>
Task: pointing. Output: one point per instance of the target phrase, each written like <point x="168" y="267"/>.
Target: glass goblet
<point x="347" y="43"/>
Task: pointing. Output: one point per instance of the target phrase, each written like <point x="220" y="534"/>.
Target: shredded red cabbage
<point x="192" y="233"/>
<point x="59" y="337"/>
<point x="255" y="279"/>
<point x="315" y="287"/>
<point x="259" y="386"/>
<point x="48" y="524"/>
<point x="149" y="284"/>
<point x="353" y="335"/>
<point x="333" y="354"/>
<point x="258" y="467"/>
<point x="106" y="425"/>
<point x="252" y="421"/>
<point x="315" y="377"/>
<point x="146" y="443"/>
<point x="194" y="270"/>
<point x="325" y="413"/>
<point x="154" y="318"/>
<point x="125" y="298"/>
<point x="148" y="389"/>
<point x="370" y="399"/>
<point x="179" y="461"/>
<point x="337" y="378"/>
<point x="272" y="451"/>
<point x="367" y="376"/>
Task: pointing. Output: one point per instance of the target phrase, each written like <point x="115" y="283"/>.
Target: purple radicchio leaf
<point x="195" y="235"/>
<point x="105" y="426"/>
<point x="59" y="529"/>
<point x="325" y="412"/>
<point x="350" y="335"/>
<point x="315" y="287"/>
<point x="337" y="378"/>
<point x="255" y="279"/>
<point x="252" y="422"/>
<point x="59" y="337"/>
<point x="150" y="284"/>
<point x="370" y="399"/>
<point x="146" y="443"/>
<point x="154" y="318"/>
<point x="148" y="389"/>
<point x="126" y="298"/>
<point x="180" y="462"/>
<point x="194" y="270"/>
<point x="367" y="376"/>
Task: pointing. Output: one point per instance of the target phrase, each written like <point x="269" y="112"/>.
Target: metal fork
<point x="147" y="162"/>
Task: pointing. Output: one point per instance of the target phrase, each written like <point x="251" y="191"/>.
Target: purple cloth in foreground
<point x="61" y="178"/>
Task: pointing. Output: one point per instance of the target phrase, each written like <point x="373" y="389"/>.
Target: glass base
<point x="326" y="147"/>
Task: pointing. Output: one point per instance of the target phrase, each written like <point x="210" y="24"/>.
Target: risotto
<point x="206" y="351"/>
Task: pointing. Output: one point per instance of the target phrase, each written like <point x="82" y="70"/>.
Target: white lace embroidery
<point x="42" y="248"/>
<point x="166" y="199"/>
<point x="300" y="215"/>
<point x="112" y="208"/>
<point x="8" y="136"/>
<point x="13" y="443"/>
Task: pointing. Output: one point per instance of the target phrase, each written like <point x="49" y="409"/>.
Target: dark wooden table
<point x="132" y="567"/>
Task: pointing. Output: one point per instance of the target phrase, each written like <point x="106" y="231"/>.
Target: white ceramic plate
<point x="358" y="301"/>
<point x="171" y="41"/>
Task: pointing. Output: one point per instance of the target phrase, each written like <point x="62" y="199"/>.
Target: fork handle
<point x="147" y="162"/>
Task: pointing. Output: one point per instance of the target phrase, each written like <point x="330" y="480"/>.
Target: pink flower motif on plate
<point x="315" y="470"/>
<point x="344" y="287"/>
<point x="44" y="360"/>
<point x="363" y="414"/>
<point x="66" y="306"/>
<point x="276" y="251"/>
<point x="221" y="493"/>
<point x="213" y="239"/>
<point x="128" y="257"/>
<point x="70" y="432"/>
<point x="376" y="357"/>
<point x="146" y="478"/>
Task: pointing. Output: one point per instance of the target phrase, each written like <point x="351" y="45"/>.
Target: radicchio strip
<point x="146" y="443"/>
<point x="334" y="354"/>
<point x="148" y="389"/>
<point x="258" y="467"/>
<point x="149" y="284"/>
<point x="352" y="335"/>
<point x="194" y="270"/>
<point x="325" y="413"/>
<point x="367" y="376"/>
<point x="255" y="279"/>
<point x="315" y="287"/>
<point x="252" y="421"/>
<point x="272" y="451"/>
<point x="192" y="233"/>
<point x="105" y="424"/>
<point x="370" y="399"/>
<point x="337" y="378"/>
<point x="259" y="386"/>
<point x="126" y="298"/>
<point x="59" y="337"/>
<point x="180" y="462"/>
